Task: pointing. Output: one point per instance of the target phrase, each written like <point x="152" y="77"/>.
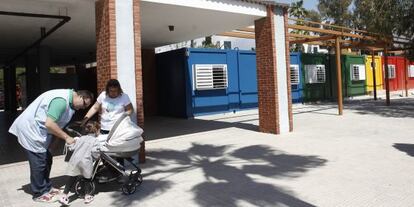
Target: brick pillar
<point x="118" y="36"/>
<point x="138" y="72"/>
<point x="105" y="42"/>
<point x="273" y="85"/>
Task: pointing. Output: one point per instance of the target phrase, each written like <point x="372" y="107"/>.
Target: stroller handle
<point x="70" y="129"/>
<point x="111" y="132"/>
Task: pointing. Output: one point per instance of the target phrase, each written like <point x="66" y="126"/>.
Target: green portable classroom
<point x="353" y="75"/>
<point x="315" y="77"/>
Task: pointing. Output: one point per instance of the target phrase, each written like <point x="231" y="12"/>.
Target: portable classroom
<point x="353" y="75"/>
<point x="410" y="73"/>
<point x="315" y="78"/>
<point x="200" y="81"/>
<point x="378" y="73"/>
<point x="396" y="70"/>
<point x="295" y="77"/>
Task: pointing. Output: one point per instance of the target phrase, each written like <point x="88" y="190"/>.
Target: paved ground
<point x="364" y="158"/>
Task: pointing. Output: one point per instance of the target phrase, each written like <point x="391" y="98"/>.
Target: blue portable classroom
<point x="295" y="77"/>
<point x="196" y="81"/>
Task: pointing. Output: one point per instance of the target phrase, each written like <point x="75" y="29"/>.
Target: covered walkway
<point x="363" y="158"/>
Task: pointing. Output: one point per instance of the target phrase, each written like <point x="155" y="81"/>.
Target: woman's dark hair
<point x="113" y="83"/>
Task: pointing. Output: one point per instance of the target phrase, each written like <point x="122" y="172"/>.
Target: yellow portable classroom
<point x="378" y="73"/>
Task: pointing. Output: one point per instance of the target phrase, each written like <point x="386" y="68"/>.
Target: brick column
<point x="138" y="72"/>
<point x="105" y="42"/>
<point x="118" y="36"/>
<point x="272" y="75"/>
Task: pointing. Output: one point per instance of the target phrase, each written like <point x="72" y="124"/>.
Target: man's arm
<point x="54" y="129"/>
<point x="56" y="108"/>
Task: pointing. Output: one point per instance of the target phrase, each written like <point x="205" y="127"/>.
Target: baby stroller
<point x="123" y="141"/>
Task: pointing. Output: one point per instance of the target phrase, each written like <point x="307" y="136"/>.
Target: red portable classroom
<point x="396" y="72"/>
<point x="410" y="72"/>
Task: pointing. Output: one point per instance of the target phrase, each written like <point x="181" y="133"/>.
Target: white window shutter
<point x="411" y="71"/>
<point x="315" y="74"/>
<point x="294" y="75"/>
<point x="362" y="72"/>
<point x="207" y="76"/>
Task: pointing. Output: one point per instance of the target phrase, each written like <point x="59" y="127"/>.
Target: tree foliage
<point x="386" y="17"/>
<point x="208" y="43"/>
<point x="336" y="11"/>
<point x="297" y="11"/>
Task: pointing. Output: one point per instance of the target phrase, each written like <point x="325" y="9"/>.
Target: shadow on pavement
<point x="228" y="175"/>
<point x="407" y="148"/>
<point x="157" y="127"/>
<point x="57" y="182"/>
<point x="399" y="108"/>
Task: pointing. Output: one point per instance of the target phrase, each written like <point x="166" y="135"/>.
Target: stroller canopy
<point x="125" y="136"/>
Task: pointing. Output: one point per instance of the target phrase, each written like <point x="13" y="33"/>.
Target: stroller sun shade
<point x="125" y="136"/>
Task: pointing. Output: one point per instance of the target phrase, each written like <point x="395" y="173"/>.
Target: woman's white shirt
<point x="112" y="109"/>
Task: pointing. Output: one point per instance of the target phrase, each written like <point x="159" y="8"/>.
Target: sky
<point x="308" y="4"/>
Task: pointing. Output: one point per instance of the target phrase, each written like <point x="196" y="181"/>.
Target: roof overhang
<point x="75" y="41"/>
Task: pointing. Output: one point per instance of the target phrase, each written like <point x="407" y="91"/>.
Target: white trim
<point x="219" y="5"/>
<point x="410" y="72"/>
<point x="125" y="49"/>
<point x="361" y="72"/>
<point x="281" y="70"/>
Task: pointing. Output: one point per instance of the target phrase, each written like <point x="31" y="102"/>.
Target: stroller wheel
<point x="129" y="188"/>
<point x="81" y="185"/>
<point x="136" y="177"/>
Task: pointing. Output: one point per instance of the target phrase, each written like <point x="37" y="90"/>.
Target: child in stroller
<point x="89" y="153"/>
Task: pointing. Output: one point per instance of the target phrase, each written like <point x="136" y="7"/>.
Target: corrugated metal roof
<point x="267" y="2"/>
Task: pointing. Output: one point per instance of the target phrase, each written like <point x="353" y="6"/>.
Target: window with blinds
<point x="315" y="74"/>
<point x="357" y="72"/>
<point x="391" y="71"/>
<point x="294" y="74"/>
<point x="208" y="77"/>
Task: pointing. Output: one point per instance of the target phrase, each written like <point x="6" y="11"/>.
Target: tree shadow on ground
<point x="399" y="108"/>
<point x="230" y="176"/>
<point x="407" y="148"/>
<point x="177" y="126"/>
<point x="57" y="182"/>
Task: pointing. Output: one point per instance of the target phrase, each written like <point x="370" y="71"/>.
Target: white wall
<point x="125" y="49"/>
<point x="280" y="45"/>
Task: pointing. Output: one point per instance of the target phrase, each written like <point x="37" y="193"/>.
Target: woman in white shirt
<point x="111" y="104"/>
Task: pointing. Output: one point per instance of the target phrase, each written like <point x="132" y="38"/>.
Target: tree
<point x="337" y="11"/>
<point x="387" y="18"/>
<point x="313" y="16"/>
<point x="296" y="10"/>
<point x="406" y="24"/>
<point x="207" y="43"/>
